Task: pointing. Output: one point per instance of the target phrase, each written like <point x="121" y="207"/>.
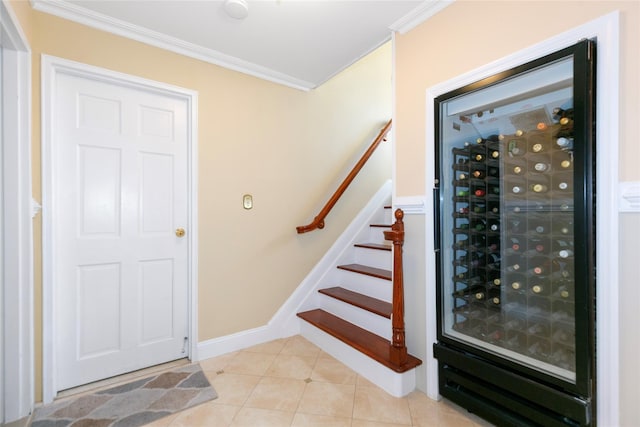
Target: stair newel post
<point x="398" y="347"/>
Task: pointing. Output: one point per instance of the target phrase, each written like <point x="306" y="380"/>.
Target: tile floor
<point x="291" y="382"/>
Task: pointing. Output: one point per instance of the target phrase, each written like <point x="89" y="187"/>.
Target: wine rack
<point x="513" y="241"/>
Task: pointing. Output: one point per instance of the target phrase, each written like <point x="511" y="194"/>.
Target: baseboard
<point x="238" y="341"/>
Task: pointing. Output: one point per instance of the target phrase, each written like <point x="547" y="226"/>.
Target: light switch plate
<point x="247" y="201"/>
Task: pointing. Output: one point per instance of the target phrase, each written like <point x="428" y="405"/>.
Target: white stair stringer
<point x="396" y="384"/>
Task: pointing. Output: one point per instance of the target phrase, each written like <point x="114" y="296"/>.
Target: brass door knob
<point x="180" y="232"/>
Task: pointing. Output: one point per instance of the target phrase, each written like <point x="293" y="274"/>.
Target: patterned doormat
<point x="134" y="404"/>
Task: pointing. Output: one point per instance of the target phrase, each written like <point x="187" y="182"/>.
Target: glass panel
<point x="507" y="219"/>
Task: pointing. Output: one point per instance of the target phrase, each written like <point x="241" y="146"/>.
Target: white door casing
<point x="16" y="302"/>
<point x="119" y="181"/>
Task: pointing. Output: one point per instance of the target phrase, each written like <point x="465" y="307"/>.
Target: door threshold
<point x="120" y="379"/>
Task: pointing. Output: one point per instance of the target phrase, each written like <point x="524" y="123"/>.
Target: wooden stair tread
<point x="369" y="271"/>
<point x="380" y="225"/>
<point x="378" y="246"/>
<point x="373" y="305"/>
<point x="362" y="340"/>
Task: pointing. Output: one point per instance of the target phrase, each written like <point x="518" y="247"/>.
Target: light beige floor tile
<point x="323" y="355"/>
<point x="327" y="399"/>
<point x="426" y="412"/>
<point x="374" y="404"/>
<point x="310" y="420"/>
<point x="270" y="347"/>
<point x="282" y="394"/>
<point x="291" y="366"/>
<point x="207" y="414"/>
<point x="299" y="346"/>
<point x="329" y="370"/>
<point x="363" y="382"/>
<point x="234" y="389"/>
<point x="217" y="363"/>
<point x="365" y="423"/>
<point x="254" y="417"/>
<point x="249" y="363"/>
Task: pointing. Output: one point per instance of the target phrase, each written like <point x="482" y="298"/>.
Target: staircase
<point x="353" y="315"/>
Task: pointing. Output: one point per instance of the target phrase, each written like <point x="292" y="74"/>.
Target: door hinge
<point x="184" y="344"/>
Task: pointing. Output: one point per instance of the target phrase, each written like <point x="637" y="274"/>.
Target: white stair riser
<point x="371" y="286"/>
<point x="376" y="235"/>
<point x="388" y="217"/>
<point x="373" y="257"/>
<point x="398" y="385"/>
<point x="374" y="323"/>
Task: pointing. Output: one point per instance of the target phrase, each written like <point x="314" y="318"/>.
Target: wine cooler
<point x="515" y="232"/>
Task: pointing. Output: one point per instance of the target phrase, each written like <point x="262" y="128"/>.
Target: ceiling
<point x="298" y="43"/>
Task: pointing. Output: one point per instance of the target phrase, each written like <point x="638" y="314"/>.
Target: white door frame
<point x="606" y="29"/>
<point x="51" y="68"/>
<point x="16" y="321"/>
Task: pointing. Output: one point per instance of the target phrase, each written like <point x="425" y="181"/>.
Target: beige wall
<point x="470" y="34"/>
<point x="285" y="147"/>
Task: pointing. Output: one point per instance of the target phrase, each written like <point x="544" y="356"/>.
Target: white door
<point x="120" y="194"/>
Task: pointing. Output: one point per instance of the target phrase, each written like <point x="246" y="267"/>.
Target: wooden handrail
<point x="318" y="221"/>
<point x="398" y="349"/>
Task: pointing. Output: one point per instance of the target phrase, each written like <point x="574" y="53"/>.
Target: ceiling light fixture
<point x="237" y="9"/>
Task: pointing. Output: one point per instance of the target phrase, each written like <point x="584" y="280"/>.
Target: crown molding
<point x="419" y="15"/>
<point x="118" y="27"/>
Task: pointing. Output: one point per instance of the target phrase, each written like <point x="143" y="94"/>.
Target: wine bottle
<point x="495" y="154"/>
<point x="478" y="157"/>
<point x="469" y="290"/>
<point x="563" y="185"/>
<point x="517" y="170"/>
<point x="478" y="174"/>
<point x="565" y="143"/>
<point x="560" y="113"/>
<point x="539" y="188"/>
<point x="516" y="285"/>
<point x="513" y="267"/>
<point x="462" y="193"/>
<point x="462" y="176"/>
<point x="517" y="189"/>
<point x="495" y="172"/>
<point x="563" y="291"/>
<point x="565" y="121"/>
<point x="565" y="253"/>
<point x="536" y="148"/>
<point x="479" y="192"/>
<point x="541" y="167"/>
<point x="537" y="288"/>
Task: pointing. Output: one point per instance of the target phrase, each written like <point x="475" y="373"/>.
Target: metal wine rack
<point x="513" y="241"/>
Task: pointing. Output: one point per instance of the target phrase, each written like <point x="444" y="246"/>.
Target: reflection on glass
<point x="507" y="220"/>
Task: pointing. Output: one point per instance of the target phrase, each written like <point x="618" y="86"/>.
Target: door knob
<point x="180" y="232"/>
